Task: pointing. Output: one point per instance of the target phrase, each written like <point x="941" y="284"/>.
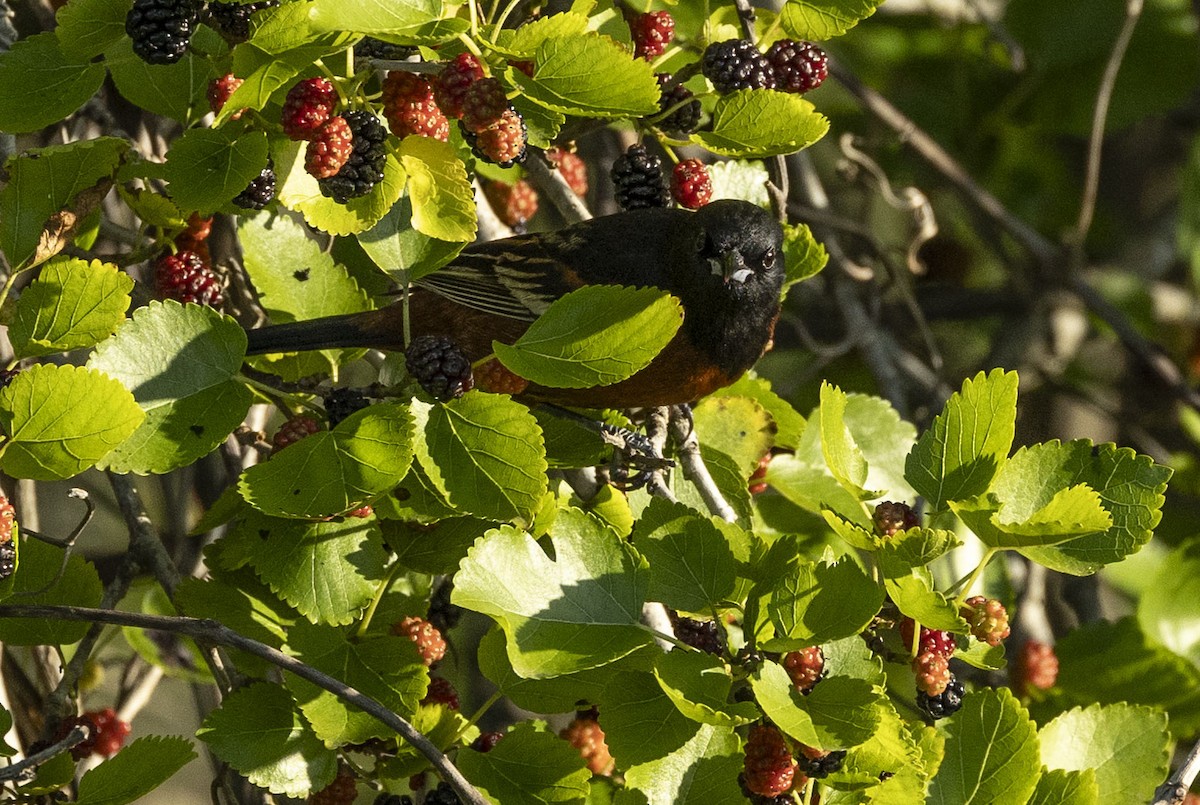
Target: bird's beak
<point x="732" y="268"/>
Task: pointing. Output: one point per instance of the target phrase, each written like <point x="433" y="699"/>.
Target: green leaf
<point x="691" y="565"/>
<point x="206" y="168"/>
<point x="579" y="611"/>
<point x="1169" y="607"/>
<point x="61" y="420"/>
<point x="839" y="713"/>
<point x="587" y="338"/>
<point x="529" y="765"/>
<point x="394" y="17"/>
<point x="701" y="771"/>
<point x="37" y="581"/>
<point x="331" y="472"/>
<point x="761" y="123"/>
<point x="40" y="85"/>
<point x="589" y="76"/>
<point x="842" y="455"/>
<point x="788" y="422"/>
<point x="178" y="91"/>
<point x="824" y="19"/>
<point x="959" y="455"/>
<point x="86" y="28"/>
<point x="815" y="603"/>
<point x="328" y="570"/>
<point x="400" y="251"/>
<point x="71" y="304"/>
<point x="803" y="255"/>
<point x="1057" y="787"/>
<point x="433" y="548"/>
<point x="389" y="669"/>
<point x="243" y="604"/>
<point x="640" y="724"/>
<point x="739" y="427"/>
<point x="915" y="548"/>
<point x="299" y="191"/>
<point x="891" y="749"/>
<point x="698" y="684"/>
<point x="521" y="44"/>
<point x="443" y="203"/>
<point x="915" y="597"/>
<point x="43" y="181"/>
<point x="1128" y="747"/>
<point x="135" y="771"/>
<point x="495" y="449"/>
<point x="259" y="731"/>
<point x="991" y="753"/>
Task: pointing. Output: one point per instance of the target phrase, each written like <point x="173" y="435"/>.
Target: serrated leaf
<point x="579" y="611"/>
<point x="42" y="182"/>
<point x="259" y="731"/>
<point x="839" y="713"/>
<point x="641" y="725"/>
<point x="1169" y="607"/>
<point x="959" y="455"/>
<point x="61" y="420"/>
<point x="914" y="595"/>
<point x="824" y="19"/>
<point x="698" y="685"/>
<point x="206" y="168"/>
<point x="71" y="304"/>
<point x="299" y="191"/>
<point x="180" y="361"/>
<point x="529" y="765"/>
<point x="842" y="455"/>
<point x="905" y="551"/>
<point x="495" y="449"/>
<point x="589" y="76"/>
<point x="35" y="583"/>
<point x="739" y="427"/>
<point x="815" y="603"/>
<point x="586" y="338"/>
<point x="761" y="123"/>
<point x="742" y="178"/>
<point x="521" y="44"/>
<point x="691" y="565"/>
<point x="890" y="749"/>
<point x="135" y="771"/>
<point x="400" y="251"/>
<point x="1057" y="787"/>
<point x="1127" y="746"/>
<point x="262" y="76"/>
<point x="789" y="424"/>
<point x="991" y="753"/>
<point x="443" y="203"/>
<point x="244" y="605"/>
<point x="177" y="91"/>
<point x="702" y="771"/>
<point x="37" y="68"/>
<point x="389" y="669"/>
<point x="803" y="255"/>
<point x="393" y="16"/>
<point x="86" y="28"/>
<point x="331" y="472"/>
<point x="436" y="547"/>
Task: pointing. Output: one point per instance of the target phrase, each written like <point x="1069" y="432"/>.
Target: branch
<point x="1176" y="787"/>
<point x="683" y="431"/>
<point x="214" y="632"/>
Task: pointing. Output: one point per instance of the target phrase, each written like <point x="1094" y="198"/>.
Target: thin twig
<point x="555" y="187"/>
<point x="1176" y="787"/>
<point x="74" y="737"/>
<point x="683" y="432"/>
<point x="211" y="631"/>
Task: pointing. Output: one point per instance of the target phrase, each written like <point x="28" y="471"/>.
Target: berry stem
<point x="380" y="591"/>
<point x="469" y="42"/>
<point x="508" y="10"/>
<point x="672" y="639"/>
<point x="479" y="712"/>
<point x="965" y="584"/>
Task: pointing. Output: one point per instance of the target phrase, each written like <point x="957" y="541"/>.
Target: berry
<point x="342" y="402"/>
<point x="806" y="667"/>
<point x="294" y="430"/>
<point x="483" y="103"/>
<point x="1036" y="667"/>
<point x="496" y="378"/>
<point x="652" y="33"/>
<point x="185" y="277"/>
<point x="585" y="734"/>
<point x="450" y="86"/>
<point x="364" y="169"/>
<point x="798" y="66"/>
<point x="8" y="559"/>
<point x="891" y="518"/>
<point x="198" y="229"/>
<point x="371" y="48"/>
<point x="439" y="366"/>
<point x="514" y="203"/>
<point x="161" y="29"/>
<point x="988" y="619"/>
<point x="757" y="482"/>
<point x="260" y="191"/>
<point x="770" y="767"/>
<point x="8" y="551"/>
<point x="638" y="180"/>
<point x="572" y="168"/>
<point x="219" y="90"/>
<point x="691" y="185"/>
<point x="932" y="640"/>
<point x="307" y="106"/>
<point x="443" y="614"/>
<point x="232" y="20"/>
<point x="106" y="733"/>
<point x="393" y="799"/>
<point x="503" y="142"/>
<point x="427" y="638"/>
<point x="487" y="741"/>
<point x="818" y="764"/>
<point x="945" y="704"/>
<point x="684" y="108"/>
<point x="442" y="795"/>
<point x="759" y="799"/>
<point x="409" y="107"/>
<point x="932" y="671"/>
<point x="329" y="149"/>
<point x="736" y="64"/>
<point x="441" y="692"/>
<point x="342" y="791"/>
<point x="703" y="635"/>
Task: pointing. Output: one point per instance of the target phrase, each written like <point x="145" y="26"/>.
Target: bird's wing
<point x="516" y="278"/>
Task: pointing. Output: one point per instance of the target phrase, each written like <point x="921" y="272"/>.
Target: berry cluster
<point x="186" y="277"/>
<point x="652" y="32"/>
<point x="219" y="90"/>
<point x="260" y="191"/>
<point x="393" y="799"/>
<point x="441" y="691"/>
<point x="342" y="402"/>
<point x="678" y="105"/>
<point x="329" y="148"/>
<point x="410" y="108"/>
<point x="513" y="203"/>
<point x="770" y="769"/>
<point x="988" y="619"/>
<point x="818" y="764"/>
<point x="496" y="378"/>
<point x="789" y="66"/>
<point x="308" y="105"/>
<point x="806" y="668"/>
<point x="342" y="791"/>
<point x="944" y="704"/>
<point x="495" y="130"/>
<point x="572" y="168"/>
<point x="443" y="614"/>
<point x="232" y="20"/>
<point x="584" y="734"/>
<point x="691" y="185"/>
<point x="428" y="640"/>
<point x="162" y="29"/>
<point x="364" y="167"/>
<point x="439" y="366"/>
<point x="638" y="180"/>
<point x="487" y="741"/>
<point x="8" y="549"/>
<point x="294" y="430"/>
<point x="450" y="87"/>
<point x="939" y="693"/>
<point x="1036" y="668"/>
<point x="442" y="795"/>
<point x="891" y="518"/>
<point x="932" y="671"/>
<point x="106" y="733"/>
<point x="703" y="635"/>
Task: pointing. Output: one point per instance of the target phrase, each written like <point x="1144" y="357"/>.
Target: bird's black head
<point x="739" y="246"/>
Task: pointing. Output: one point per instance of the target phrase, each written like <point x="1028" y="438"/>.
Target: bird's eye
<point x="768" y="258"/>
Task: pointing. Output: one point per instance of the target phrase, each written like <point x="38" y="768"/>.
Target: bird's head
<point x="739" y="246"/>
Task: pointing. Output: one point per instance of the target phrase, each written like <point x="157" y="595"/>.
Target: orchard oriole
<point x="724" y="262"/>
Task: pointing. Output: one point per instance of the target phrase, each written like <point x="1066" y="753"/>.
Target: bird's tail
<point x="331" y="332"/>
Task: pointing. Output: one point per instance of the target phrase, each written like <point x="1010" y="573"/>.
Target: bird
<point x="724" y="262"/>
